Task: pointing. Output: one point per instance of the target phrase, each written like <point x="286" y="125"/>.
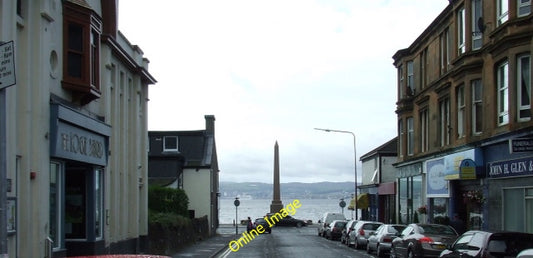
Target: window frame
<point x="502" y="95"/>
<point x="424" y="129"/>
<point x="165" y="149"/>
<point x="444" y="119"/>
<point x="477" y="35"/>
<point x="461" y="31"/>
<point x="477" y="106"/>
<point x="410" y="136"/>
<point x="59" y="239"/>
<point x="444" y="51"/>
<point x="401" y="135"/>
<point x="520" y="6"/>
<point x="502" y="11"/>
<point x="461" y="111"/>
<point x="521" y="92"/>
<point x="86" y="85"/>
<point x="411" y="77"/>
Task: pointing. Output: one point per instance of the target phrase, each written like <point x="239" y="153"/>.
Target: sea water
<point x="312" y="209"/>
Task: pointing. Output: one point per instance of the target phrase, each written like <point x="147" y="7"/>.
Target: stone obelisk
<point x="276" y="204"/>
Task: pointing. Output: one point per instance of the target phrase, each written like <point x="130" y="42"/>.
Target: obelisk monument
<point x="276" y="204"/>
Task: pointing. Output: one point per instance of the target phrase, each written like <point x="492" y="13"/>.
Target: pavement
<point x="212" y="246"/>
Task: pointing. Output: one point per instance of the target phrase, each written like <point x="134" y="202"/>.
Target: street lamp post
<point x="355" y="163"/>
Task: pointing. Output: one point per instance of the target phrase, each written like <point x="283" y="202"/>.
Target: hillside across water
<point x="254" y="190"/>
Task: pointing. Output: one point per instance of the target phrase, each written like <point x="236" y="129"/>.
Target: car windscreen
<point x="371" y="226"/>
<point x="436" y="230"/>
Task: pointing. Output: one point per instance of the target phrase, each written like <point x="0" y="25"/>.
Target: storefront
<point x="78" y="156"/>
<point x="451" y="181"/>
<point x="409" y="192"/>
<point x="509" y="171"/>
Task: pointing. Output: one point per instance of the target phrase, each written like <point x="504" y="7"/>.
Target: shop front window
<point x="518" y="209"/>
<point x="410" y="198"/>
<point x="55" y="204"/>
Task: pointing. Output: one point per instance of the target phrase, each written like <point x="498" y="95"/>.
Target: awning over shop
<point x="362" y="201"/>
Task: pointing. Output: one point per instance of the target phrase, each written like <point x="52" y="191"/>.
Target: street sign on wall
<point x="7" y="64"/>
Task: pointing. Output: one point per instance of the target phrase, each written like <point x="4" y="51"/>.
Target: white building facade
<point x="76" y="131"/>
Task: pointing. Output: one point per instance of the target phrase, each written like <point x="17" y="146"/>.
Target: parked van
<point x="323" y="223"/>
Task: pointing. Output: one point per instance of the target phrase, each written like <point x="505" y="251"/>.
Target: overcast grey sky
<point x="274" y="70"/>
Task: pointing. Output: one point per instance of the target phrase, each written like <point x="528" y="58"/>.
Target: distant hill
<point x="255" y="190"/>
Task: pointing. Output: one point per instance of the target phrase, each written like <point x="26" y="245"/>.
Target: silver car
<point x="380" y="241"/>
<point x="361" y="232"/>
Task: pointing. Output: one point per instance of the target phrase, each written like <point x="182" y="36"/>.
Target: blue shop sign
<point x="511" y="168"/>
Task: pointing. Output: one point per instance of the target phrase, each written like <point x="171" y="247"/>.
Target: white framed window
<point x="502" y="80"/>
<point x="477" y="107"/>
<point x="461" y="31"/>
<point x="170" y="143"/>
<point x="410" y="136"/>
<point x="502" y="11"/>
<point x="423" y="68"/>
<point x="461" y="109"/>
<point x="424" y="130"/>
<point x="518" y="209"/>
<point x="401" y="134"/>
<point x="410" y="78"/>
<point x="444" y="119"/>
<point x="523" y="85"/>
<point x="477" y="13"/>
<point x="524" y="7"/>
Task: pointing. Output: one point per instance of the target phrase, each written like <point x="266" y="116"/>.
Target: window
<point x="502" y="80"/>
<point x="477" y="13"/>
<point x="524" y="7"/>
<point x="502" y="11"/>
<point x="410" y="136"/>
<point x="410" y="79"/>
<point x="400" y="138"/>
<point x="98" y="203"/>
<point x="444" y="51"/>
<point x="461" y="34"/>
<point x="461" y="111"/>
<point x="523" y="80"/>
<point x="56" y="192"/>
<point x="81" y="51"/>
<point x="477" y="107"/>
<point x="170" y="143"/>
<point x="444" y="113"/>
<point x="424" y="130"/>
<point x="518" y="209"/>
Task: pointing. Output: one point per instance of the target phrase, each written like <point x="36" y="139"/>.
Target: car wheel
<point x="410" y="254"/>
<point x="368" y="249"/>
<point x="392" y="252"/>
<point x="299" y="224"/>
<point x="356" y="244"/>
<point x="378" y="252"/>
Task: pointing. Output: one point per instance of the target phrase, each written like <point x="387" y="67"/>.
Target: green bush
<point x="168" y="220"/>
<point x="168" y="200"/>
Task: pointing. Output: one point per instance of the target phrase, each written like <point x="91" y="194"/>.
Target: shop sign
<point x="511" y="168"/>
<point x="7" y="64"/>
<point x="77" y="144"/>
<point x="521" y="145"/>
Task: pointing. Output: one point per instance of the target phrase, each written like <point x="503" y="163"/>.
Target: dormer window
<point x="170" y="144"/>
<point x="81" y="51"/>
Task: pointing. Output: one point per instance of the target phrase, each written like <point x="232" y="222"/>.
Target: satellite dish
<point x="481" y="24"/>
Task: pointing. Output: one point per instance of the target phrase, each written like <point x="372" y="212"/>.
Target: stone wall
<point x="167" y="240"/>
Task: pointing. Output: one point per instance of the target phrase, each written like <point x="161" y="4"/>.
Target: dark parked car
<point x="380" y="241"/>
<point x="477" y="243"/>
<point x="264" y="223"/>
<point x="286" y="221"/>
<point x="345" y="234"/>
<point x="423" y="240"/>
<point x="335" y="229"/>
<point x="361" y="231"/>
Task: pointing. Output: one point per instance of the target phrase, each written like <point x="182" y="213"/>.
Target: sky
<point x="273" y="70"/>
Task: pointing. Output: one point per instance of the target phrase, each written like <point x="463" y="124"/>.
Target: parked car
<point x="323" y="223"/>
<point x="423" y="240"/>
<point x="476" y="243"/>
<point x="335" y="229"/>
<point x="380" y="240"/>
<point x="264" y="223"/>
<point x="528" y="253"/>
<point x="286" y="221"/>
<point x="346" y="231"/>
<point x="362" y="229"/>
